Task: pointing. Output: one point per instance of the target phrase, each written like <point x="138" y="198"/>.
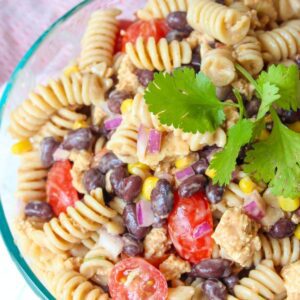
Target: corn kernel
<point x="80" y="124"/>
<point x="126" y="105"/>
<point x="295" y="126"/>
<point x="288" y="204"/>
<point x="183" y="162"/>
<point x="297" y="232"/>
<point x="132" y="167"/>
<point x="211" y="173"/>
<point x="264" y="135"/>
<point x="71" y="69"/>
<point x="148" y="185"/>
<point x="247" y="185"/>
<point x="21" y="147"/>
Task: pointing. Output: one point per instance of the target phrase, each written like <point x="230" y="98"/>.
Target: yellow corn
<point x="288" y="204"/>
<point x="148" y="185"/>
<point x="211" y="173"/>
<point x="132" y="167"/>
<point x="264" y="135"/>
<point x="71" y="69"/>
<point x="295" y="126"/>
<point x="297" y="232"/>
<point x="126" y="105"/>
<point x="247" y="185"/>
<point x="80" y="124"/>
<point x="21" y="147"/>
<point x="183" y="162"/>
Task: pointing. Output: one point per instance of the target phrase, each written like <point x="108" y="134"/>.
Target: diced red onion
<point x="114" y="123"/>
<point x="144" y="213"/>
<point x="184" y="174"/>
<point x="154" y="142"/>
<point x="142" y="142"/>
<point x="112" y="243"/>
<point x="202" y="230"/>
<point x="61" y="154"/>
<point x="254" y="206"/>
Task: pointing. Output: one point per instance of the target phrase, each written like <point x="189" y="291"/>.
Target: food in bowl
<point x="163" y="163"/>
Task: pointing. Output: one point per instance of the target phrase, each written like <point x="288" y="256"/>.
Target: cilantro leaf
<point x="277" y="160"/>
<point x="224" y="162"/>
<point x="185" y="101"/>
<point x="286" y="79"/>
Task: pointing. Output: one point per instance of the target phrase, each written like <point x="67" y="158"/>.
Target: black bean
<point x="223" y="92"/>
<point x="282" y="228"/>
<point x="252" y="107"/>
<point x="132" y="246"/>
<point x="93" y="179"/>
<point x="131" y="223"/>
<point x="242" y="155"/>
<point x="209" y="151"/>
<point x="221" y="1"/>
<point x="214" y="192"/>
<point x="200" y="166"/>
<point x="144" y="77"/>
<point x="108" y="162"/>
<point x="131" y="187"/>
<point x="39" y="210"/>
<point x="214" y="289"/>
<point x="115" y="100"/>
<point x="289" y="116"/>
<point x="212" y="268"/>
<point x="177" y="20"/>
<point x="192" y="185"/>
<point x="230" y="282"/>
<point x="196" y="61"/>
<point x="116" y="179"/>
<point x="48" y="146"/>
<point x="162" y="198"/>
<point x="80" y="139"/>
<point x="176" y="35"/>
<point x="158" y="222"/>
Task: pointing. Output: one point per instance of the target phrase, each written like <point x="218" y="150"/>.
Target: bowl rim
<point x="35" y="284"/>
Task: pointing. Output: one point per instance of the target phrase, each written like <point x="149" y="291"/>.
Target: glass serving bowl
<point x="56" y="48"/>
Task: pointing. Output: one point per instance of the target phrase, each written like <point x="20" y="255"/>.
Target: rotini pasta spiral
<point x="161" y="56"/>
<point x="248" y="54"/>
<point x="218" y="65"/>
<point x="264" y="8"/>
<point x="72" y="285"/>
<point x="225" y="24"/>
<point x="31" y="178"/>
<point x="99" y="39"/>
<point x="281" y="43"/>
<point x="157" y="9"/>
<point x="78" y="223"/>
<point x="281" y="252"/>
<point x="262" y="283"/>
<point x="287" y="9"/>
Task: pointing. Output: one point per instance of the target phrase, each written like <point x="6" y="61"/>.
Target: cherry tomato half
<point x="123" y="25"/>
<point x="60" y="192"/>
<point x="156" y="28"/>
<point x="190" y="227"/>
<point x="134" y="278"/>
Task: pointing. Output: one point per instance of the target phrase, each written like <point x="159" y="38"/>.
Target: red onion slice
<point x="61" y="154"/>
<point x="144" y="213"/>
<point x="154" y="142"/>
<point x="202" y="230"/>
<point x="142" y="142"/>
<point x="184" y="174"/>
<point x="112" y="124"/>
<point x="254" y="206"/>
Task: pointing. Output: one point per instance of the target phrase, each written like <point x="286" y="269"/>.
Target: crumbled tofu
<point x="173" y="267"/>
<point x="291" y="276"/>
<point x="232" y="115"/>
<point x="181" y="293"/>
<point x="156" y="243"/>
<point x="236" y="234"/>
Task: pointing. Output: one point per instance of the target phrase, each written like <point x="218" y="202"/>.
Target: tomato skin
<point x="60" y="192"/>
<point x="139" y="287"/>
<point x="157" y="28"/>
<point x="123" y="25"/>
<point x="187" y="215"/>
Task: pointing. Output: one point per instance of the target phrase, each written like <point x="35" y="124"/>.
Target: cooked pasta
<point x="248" y="54"/>
<point x="264" y="8"/>
<point x="225" y="24"/>
<point x="287" y="9"/>
<point x="281" y="43"/>
<point x="161" y="8"/>
<point x="161" y="56"/>
<point x="78" y="223"/>
<point x="99" y="39"/>
<point x="262" y="282"/>
<point x="282" y="252"/>
<point x="31" y="178"/>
